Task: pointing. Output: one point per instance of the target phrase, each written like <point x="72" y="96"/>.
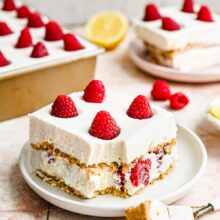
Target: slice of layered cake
<point x="96" y="142"/>
<point x="185" y="38"/>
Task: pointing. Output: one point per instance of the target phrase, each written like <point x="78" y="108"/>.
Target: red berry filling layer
<point x="144" y="171"/>
<point x="140" y="173"/>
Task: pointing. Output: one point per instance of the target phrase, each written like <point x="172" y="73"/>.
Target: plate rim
<point x="177" y="193"/>
<point x="167" y="72"/>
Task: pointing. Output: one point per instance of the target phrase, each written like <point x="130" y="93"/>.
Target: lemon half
<point x="107" y="29"/>
<point x="215" y="111"/>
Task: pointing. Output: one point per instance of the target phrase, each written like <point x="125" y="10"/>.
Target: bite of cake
<point x="184" y="38"/>
<point x="156" y="210"/>
<point x="98" y="142"/>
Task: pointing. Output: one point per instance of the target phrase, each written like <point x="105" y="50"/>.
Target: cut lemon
<point x="107" y="29"/>
<point x="215" y="111"/>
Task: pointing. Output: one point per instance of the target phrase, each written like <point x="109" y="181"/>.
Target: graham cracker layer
<point x="49" y="147"/>
<point x="54" y="181"/>
<point x="140" y="212"/>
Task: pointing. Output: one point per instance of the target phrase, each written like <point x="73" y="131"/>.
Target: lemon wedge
<point x="107" y="29"/>
<point x="215" y="111"/>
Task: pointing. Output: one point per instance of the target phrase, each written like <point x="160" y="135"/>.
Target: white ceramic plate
<point x="193" y="158"/>
<point x="213" y="120"/>
<point x="137" y="52"/>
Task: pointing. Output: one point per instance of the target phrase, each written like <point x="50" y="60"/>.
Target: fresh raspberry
<point x="169" y="24"/>
<point x="53" y="32"/>
<point x="140" y="173"/>
<point x="23" y="12"/>
<point x="3" y="60"/>
<point x="161" y="90"/>
<point x="104" y="126"/>
<point x="64" y="107"/>
<point x="25" y="39"/>
<point x="140" y="108"/>
<point x="4" y="29"/>
<point x="71" y="43"/>
<point x="204" y="14"/>
<point x="94" y="92"/>
<point x="151" y="13"/>
<point x="188" y="6"/>
<point x="39" y="50"/>
<point x="9" y="5"/>
<point x="178" y="101"/>
<point x="35" y="20"/>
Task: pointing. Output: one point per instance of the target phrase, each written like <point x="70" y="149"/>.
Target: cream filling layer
<point x="89" y="180"/>
<point x="195" y="58"/>
<point x="158" y="167"/>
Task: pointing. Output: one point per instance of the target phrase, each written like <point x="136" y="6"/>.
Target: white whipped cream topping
<point x="158" y="167"/>
<point x="20" y="58"/>
<point x="86" y="181"/>
<point x="192" y="31"/>
<point x="72" y="137"/>
<point x="161" y="166"/>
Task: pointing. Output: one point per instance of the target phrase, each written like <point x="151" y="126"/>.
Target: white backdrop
<point x="78" y="11"/>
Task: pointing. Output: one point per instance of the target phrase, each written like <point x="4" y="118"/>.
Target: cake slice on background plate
<point x="98" y="142"/>
<point x="184" y="38"/>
